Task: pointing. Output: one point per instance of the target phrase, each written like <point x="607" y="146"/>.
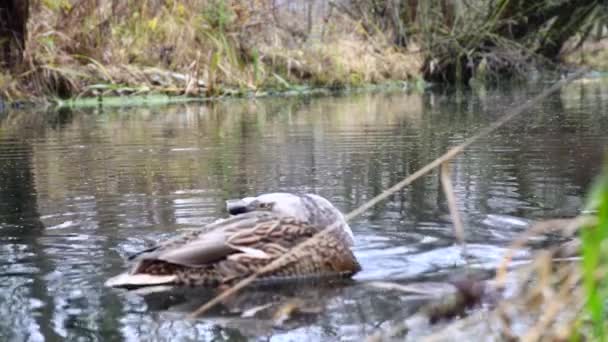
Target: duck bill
<point x="240" y="206"/>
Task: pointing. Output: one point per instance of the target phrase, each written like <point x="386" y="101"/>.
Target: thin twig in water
<point x="451" y="153"/>
<point x="448" y="190"/>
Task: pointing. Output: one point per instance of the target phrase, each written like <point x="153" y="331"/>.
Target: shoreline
<point x="153" y="98"/>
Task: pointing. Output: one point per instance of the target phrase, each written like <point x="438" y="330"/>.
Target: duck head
<point x="310" y="208"/>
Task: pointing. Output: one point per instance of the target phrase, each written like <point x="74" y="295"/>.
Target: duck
<point x="258" y="230"/>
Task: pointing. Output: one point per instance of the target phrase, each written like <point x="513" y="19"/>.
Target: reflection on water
<point x="79" y="190"/>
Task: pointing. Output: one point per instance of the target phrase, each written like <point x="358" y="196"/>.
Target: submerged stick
<point x="448" y="190"/>
<point x="451" y="153"/>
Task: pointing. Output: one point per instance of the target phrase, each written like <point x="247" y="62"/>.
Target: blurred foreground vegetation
<point x="68" y="48"/>
<point x="595" y="258"/>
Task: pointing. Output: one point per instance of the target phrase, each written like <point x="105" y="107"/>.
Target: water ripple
<point x="77" y="198"/>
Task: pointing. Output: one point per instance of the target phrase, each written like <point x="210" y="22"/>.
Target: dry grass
<point x="193" y="47"/>
<point x="345" y="59"/>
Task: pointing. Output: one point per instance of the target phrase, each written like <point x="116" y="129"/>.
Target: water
<point x="79" y="190"/>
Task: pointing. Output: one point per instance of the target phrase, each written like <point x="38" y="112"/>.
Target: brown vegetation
<point x="196" y="47"/>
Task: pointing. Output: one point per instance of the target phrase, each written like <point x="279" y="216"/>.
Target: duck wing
<point x="206" y="245"/>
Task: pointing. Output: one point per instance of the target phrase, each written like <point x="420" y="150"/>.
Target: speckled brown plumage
<point x="232" y="249"/>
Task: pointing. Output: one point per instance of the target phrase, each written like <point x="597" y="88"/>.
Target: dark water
<point x="81" y="189"/>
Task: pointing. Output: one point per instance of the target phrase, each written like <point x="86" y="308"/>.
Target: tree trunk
<point x="309" y="10"/>
<point x="13" y="24"/>
<point x="395" y="9"/>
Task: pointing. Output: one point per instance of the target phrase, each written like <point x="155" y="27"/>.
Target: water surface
<point x="79" y="190"/>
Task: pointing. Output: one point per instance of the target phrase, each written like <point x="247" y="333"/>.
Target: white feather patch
<point x="147" y="290"/>
<point x="125" y="279"/>
<point x="251" y="252"/>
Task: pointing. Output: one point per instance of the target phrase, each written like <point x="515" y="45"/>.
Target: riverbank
<point x="199" y="49"/>
<point x="60" y="49"/>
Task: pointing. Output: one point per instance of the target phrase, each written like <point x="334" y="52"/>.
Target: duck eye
<point x="265" y="205"/>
